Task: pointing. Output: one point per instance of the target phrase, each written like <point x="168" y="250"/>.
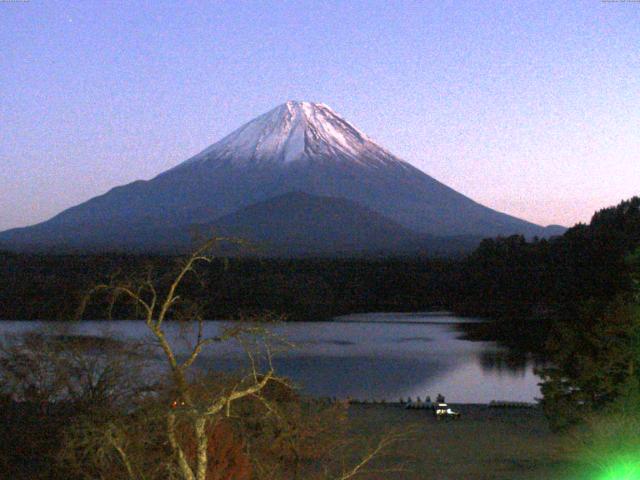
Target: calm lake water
<point x="364" y="356"/>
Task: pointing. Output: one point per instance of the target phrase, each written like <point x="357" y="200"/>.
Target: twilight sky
<point x="529" y="107"/>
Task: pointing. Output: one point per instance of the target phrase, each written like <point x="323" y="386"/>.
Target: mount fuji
<point x="299" y="163"/>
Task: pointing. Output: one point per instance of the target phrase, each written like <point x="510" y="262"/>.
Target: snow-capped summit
<point x="295" y="131"/>
<point x="300" y="163"/>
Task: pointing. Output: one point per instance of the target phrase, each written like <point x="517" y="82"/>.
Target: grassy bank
<point x="485" y="443"/>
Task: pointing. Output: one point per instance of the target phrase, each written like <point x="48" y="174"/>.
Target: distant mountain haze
<point x="307" y="160"/>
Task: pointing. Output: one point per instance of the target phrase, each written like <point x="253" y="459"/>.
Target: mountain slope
<point x="298" y="223"/>
<point x="310" y="222"/>
<point x="296" y="147"/>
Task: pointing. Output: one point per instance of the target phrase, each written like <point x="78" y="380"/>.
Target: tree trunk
<point x="201" y="453"/>
<point x="183" y="464"/>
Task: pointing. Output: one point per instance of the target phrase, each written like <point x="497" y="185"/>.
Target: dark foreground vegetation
<point x="574" y="299"/>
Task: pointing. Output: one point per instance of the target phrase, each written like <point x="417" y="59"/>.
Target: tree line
<point x="42" y="287"/>
<point x="575" y="298"/>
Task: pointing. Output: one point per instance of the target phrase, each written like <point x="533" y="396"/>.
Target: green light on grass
<point x="623" y="470"/>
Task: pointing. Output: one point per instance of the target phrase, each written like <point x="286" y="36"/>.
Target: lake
<point x="365" y="356"/>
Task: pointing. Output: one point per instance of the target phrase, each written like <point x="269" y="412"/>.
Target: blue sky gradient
<point x="530" y="107"/>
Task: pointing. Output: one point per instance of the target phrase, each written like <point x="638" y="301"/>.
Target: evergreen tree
<point x="595" y="358"/>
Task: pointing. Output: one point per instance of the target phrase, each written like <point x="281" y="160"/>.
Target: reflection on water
<point x="509" y="362"/>
<point x="504" y="362"/>
<point x="366" y="356"/>
<point x="326" y="342"/>
<point x="414" y="339"/>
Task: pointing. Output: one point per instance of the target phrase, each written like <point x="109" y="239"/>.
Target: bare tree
<point x="197" y="412"/>
<point x="48" y="378"/>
